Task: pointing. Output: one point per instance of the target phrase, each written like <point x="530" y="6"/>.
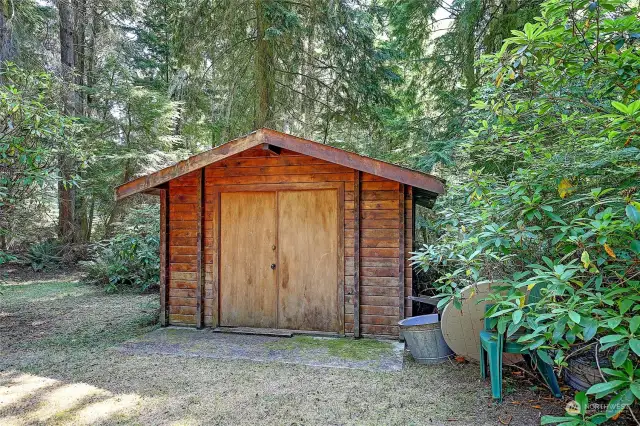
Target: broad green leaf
<point x="575" y="317"/>
<point x="625" y="305"/>
<point x="617" y="373"/>
<point x="582" y="400"/>
<point x="614" y="322"/>
<point x="502" y="325"/>
<point x="611" y="338"/>
<point x="512" y="329"/>
<point x="517" y="316"/>
<point x="544" y="356"/>
<point x="634" y="344"/>
<point x="632" y="213"/>
<point x="620" y="356"/>
<point x="620" y="402"/>
<point x="605" y="386"/>
<point x="547" y="420"/>
<point x="555" y="217"/>
<point x="590" y="328"/>
<point x="635" y="388"/>
<point x="620" y="107"/>
<point x="597" y="419"/>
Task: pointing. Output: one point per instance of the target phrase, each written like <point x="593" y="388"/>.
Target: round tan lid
<point x="461" y="327"/>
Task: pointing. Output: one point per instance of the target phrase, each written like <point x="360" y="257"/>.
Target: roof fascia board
<point x="355" y="161"/>
<point x="190" y="164"/>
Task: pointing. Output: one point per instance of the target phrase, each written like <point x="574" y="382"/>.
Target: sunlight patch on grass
<point x="21" y="387"/>
<point x="45" y="291"/>
<point x="49" y="401"/>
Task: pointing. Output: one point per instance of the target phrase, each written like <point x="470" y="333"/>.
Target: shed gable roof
<point x="328" y="153"/>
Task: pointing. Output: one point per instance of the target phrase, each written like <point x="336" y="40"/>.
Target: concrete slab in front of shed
<point x="336" y="352"/>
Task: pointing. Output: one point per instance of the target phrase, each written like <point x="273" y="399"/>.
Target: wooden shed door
<point x="247" y="251"/>
<point x="308" y="260"/>
<point x="297" y="232"/>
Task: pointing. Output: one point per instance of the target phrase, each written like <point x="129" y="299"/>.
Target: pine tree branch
<point x="303" y="94"/>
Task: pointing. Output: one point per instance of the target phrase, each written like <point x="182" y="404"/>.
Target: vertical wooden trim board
<point x="413" y="239"/>
<point x="356" y="253"/>
<point x="401" y="228"/>
<point x="277" y="261"/>
<point x="200" y="273"/>
<point x="164" y="220"/>
<point x="341" y="249"/>
<point x="215" y="303"/>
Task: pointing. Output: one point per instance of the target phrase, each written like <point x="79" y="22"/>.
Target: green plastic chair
<point x="493" y="345"/>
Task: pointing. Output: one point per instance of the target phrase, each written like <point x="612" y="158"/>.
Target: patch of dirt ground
<point x="59" y="365"/>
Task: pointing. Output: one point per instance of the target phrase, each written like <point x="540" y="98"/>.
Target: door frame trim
<point x="338" y="186"/>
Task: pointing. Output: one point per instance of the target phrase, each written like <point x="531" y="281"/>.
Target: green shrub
<point x="129" y="260"/>
<point x="547" y="192"/>
<point x="45" y="255"/>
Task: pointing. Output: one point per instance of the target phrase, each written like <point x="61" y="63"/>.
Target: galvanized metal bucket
<point x="424" y="339"/>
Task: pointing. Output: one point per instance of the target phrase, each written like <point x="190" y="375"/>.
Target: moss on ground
<point x="342" y="347"/>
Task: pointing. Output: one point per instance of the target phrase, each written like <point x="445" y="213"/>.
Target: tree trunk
<point x="309" y="87"/>
<point x="66" y="201"/>
<point x="469" y="58"/>
<point x="264" y="71"/>
<point x="67" y="191"/>
<point x="5" y="227"/>
<point x="91" y="56"/>
<point x="67" y="55"/>
<point x="7" y="46"/>
<point x="90" y="219"/>
<point x="80" y="7"/>
<point x="226" y="128"/>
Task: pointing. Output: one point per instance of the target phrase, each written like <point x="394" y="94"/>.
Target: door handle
<point x="273" y="266"/>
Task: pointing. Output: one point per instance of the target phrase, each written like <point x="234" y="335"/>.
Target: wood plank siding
<point x="384" y="235"/>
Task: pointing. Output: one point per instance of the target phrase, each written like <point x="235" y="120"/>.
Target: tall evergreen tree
<point x="441" y="42"/>
<point x="259" y="65"/>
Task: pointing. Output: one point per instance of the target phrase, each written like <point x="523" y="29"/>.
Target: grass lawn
<point x="58" y="366"/>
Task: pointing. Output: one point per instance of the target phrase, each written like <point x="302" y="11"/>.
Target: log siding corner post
<point x="341" y="269"/>
<point x="215" y="233"/>
<point x="200" y="263"/>
<point x="356" y="253"/>
<point x="401" y="227"/>
<point x="164" y="264"/>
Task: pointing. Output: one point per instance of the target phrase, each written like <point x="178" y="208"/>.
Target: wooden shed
<point x="273" y="231"/>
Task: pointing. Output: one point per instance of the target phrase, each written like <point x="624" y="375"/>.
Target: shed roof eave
<point x="429" y="183"/>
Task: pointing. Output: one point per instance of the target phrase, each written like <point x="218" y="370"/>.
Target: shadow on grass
<point x="61" y="325"/>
